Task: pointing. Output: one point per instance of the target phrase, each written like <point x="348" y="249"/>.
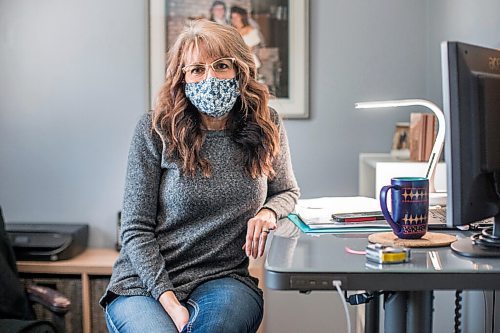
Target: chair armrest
<point x="49" y="298"/>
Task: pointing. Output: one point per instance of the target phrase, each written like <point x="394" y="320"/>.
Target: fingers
<point x="255" y="240"/>
<point x="249" y="237"/>
<point x="263" y="240"/>
<point x="181" y="318"/>
<point x="257" y="233"/>
<point x="180" y="325"/>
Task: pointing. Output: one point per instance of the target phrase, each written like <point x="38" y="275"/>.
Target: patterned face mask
<point x="213" y="97"/>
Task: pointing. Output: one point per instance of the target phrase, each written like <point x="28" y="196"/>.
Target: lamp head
<point x="375" y="105"/>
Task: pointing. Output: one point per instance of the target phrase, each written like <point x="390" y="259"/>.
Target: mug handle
<point x="383" y="205"/>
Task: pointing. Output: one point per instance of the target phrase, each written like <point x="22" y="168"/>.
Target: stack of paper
<point x="317" y="213"/>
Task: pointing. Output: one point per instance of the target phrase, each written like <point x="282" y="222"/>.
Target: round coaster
<point x="430" y="239"/>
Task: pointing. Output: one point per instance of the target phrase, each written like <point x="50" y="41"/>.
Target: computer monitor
<point x="471" y="96"/>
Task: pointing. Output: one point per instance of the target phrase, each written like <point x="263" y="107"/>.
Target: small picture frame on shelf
<point x="401" y="141"/>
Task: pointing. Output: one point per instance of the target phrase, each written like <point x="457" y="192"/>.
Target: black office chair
<point x="16" y="313"/>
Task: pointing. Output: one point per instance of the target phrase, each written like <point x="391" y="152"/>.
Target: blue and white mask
<point x="213" y="97"/>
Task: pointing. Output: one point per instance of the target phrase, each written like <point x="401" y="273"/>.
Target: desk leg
<point x="395" y="312"/>
<point x="420" y="311"/>
<point x="372" y="314"/>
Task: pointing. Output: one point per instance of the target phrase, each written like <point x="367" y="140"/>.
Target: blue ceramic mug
<point x="410" y="206"/>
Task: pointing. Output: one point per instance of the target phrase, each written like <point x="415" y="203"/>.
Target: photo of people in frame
<point x="263" y="24"/>
<point x="401" y="141"/>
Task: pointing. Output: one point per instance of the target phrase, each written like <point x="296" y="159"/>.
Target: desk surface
<point x="93" y="261"/>
<point x="96" y="261"/>
<point x="298" y="261"/>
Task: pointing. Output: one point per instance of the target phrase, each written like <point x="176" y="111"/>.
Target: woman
<point x="209" y="175"/>
<point x="218" y="12"/>
<point x="251" y="35"/>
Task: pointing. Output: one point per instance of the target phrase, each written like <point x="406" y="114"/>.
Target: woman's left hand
<point x="258" y="229"/>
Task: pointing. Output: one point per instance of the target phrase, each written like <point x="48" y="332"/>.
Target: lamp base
<point x="438" y="199"/>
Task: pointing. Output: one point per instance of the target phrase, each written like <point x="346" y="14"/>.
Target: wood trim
<point x="86" y="312"/>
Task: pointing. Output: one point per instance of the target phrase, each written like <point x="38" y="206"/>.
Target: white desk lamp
<point x="434" y="198"/>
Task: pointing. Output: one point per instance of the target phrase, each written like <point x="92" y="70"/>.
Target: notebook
<point x="317" y="213"/>
<point x="338" y="230"/>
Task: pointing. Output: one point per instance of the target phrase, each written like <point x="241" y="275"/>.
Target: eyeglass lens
<point x="220" y="67"/>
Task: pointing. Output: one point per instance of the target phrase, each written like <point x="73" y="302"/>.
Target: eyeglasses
<point x="222" y="68"/>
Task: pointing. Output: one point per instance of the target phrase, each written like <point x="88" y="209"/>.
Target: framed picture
<point x="401" y="141"/>
<point x="275" y="30"/>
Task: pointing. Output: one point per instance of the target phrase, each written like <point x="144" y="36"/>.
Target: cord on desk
<point x="351" y="251"/>
<point x="337" y="284"/>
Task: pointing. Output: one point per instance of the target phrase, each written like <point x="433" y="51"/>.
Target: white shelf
<point x="377" y="169"/>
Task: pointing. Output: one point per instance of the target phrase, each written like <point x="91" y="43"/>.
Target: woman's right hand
<point x="178" y="313"/>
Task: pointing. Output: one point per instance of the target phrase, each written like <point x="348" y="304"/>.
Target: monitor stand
<point x="483" y="245"/>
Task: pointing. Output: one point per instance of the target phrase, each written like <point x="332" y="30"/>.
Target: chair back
<point x="13" y="300"/>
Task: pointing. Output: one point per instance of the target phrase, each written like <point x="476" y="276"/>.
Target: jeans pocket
<point x="109" y="318"/>
<point x="109" y="322"/>
<point x="111" y="300"/>
<point x="196" y="309"/>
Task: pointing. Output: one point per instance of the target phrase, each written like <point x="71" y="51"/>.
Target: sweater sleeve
<point x="282" y="190"/>
<point x="140" y="207"/>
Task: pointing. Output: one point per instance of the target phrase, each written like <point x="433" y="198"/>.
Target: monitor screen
<point x="471" y="100"/>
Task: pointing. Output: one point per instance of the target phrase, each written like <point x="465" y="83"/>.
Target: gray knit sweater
<point x="179" y="231"/>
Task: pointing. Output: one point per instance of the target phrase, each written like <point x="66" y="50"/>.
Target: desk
<point x="297" y="261"/>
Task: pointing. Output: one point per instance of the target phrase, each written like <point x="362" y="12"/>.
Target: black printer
<point x="47" y="241"/>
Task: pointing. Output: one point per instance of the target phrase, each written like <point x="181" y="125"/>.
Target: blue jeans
<point x="224" y="305"/>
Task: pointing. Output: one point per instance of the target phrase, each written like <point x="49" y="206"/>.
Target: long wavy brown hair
<point x="250" y="122"/>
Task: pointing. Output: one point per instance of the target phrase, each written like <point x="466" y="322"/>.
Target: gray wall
<point x="473" y="22"/>
<point x="359" y="51"/>
<point x="74" y="81"/>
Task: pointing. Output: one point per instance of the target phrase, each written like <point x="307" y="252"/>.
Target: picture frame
<point x="401" y="140"/>
<point x="283" y="54"/>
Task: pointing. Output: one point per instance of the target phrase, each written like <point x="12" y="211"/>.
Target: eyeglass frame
<point x="211" y="65"/>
